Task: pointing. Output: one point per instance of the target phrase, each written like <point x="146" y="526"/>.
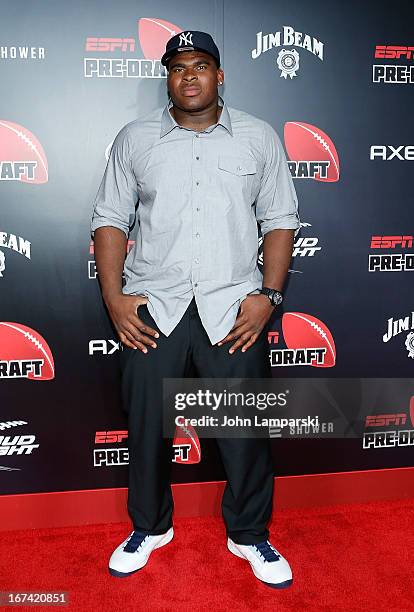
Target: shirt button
<point x="196" y="261"/>
<point x="197" y="182"/>
<point x="197" y="157"/>
<point x="197" y="209"/>
<point x="195" y="284"/>
<point x="197" y="135"/>
<point x="197" y="235"/>
<point x="239" y="167"/>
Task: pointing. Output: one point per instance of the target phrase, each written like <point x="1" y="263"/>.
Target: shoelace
<point x="134" y="542"/>
<point x="267" y="551"/>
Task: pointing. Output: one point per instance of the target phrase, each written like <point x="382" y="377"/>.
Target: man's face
<point x="192" y="80"/>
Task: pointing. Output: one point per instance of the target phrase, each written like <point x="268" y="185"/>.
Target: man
<point x="196" y="176"/>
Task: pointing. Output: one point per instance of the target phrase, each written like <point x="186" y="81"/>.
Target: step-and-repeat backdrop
<point x="335" y="80"/>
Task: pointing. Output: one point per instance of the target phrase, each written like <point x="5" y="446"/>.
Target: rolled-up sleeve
<point x="276" y="202"/>
<point x="117" y="195"/>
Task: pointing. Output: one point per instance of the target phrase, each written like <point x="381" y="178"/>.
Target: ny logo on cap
<point x="186" y="38"/>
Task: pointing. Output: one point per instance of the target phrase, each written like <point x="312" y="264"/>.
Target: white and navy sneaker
<point x="267" y="563"/>
<point x="134" y="552"/>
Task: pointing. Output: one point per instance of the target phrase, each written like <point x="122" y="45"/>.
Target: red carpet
<point x="350" y="558"/>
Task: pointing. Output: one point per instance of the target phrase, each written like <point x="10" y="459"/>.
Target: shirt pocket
<point x="237" y="175"/>
<point x="240" y="166"/>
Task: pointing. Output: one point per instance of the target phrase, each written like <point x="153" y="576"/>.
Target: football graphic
<point x="306" y="142"/>
<point x="17" y="144"/>
<point x="301" y="331"/>
<point x="153" y="35"/>
<point x="186" y="435"/>
<point x="21" y="343"/>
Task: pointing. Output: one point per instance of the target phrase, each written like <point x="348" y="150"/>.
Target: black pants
<point x="247" y="499"/>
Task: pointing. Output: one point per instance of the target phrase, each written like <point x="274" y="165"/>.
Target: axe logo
<point x="104" y="347"/>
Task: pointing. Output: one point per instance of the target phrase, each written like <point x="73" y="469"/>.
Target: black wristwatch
<point x="275" y="296"/>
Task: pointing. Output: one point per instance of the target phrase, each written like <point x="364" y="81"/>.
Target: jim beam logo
<point x="398" y="326"/>
<point x="13" y="243"/>
<point x="287" y="60"/>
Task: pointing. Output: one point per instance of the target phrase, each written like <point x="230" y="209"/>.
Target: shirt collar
<point x="168" y="122"/>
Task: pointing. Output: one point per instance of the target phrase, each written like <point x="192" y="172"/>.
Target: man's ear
<point x="220" y="75"/>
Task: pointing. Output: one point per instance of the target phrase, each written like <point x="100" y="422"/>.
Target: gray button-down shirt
<point x="197" y="198"/>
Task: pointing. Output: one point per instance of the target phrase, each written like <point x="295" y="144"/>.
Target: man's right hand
<point x="132" y="331"/>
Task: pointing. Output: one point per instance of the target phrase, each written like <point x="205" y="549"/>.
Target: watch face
<point x="277" y="298"/>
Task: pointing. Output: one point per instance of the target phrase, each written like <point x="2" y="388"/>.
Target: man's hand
<point x="131" y="329"/>
<point x="255" y="311"/>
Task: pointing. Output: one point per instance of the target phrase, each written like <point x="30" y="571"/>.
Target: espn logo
<point x="393" y="52"/>
<point x="383" y="420"/>
<point x="110" y="437"/>
<point x="129" y="246"/>
<point x="390" y="242"/>
<point x="110" y="44"/>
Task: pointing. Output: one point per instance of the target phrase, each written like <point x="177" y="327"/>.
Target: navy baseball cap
<point x="190" y="40"/>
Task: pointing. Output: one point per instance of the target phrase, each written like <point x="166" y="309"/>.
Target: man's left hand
<point x="255" y="311"/>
